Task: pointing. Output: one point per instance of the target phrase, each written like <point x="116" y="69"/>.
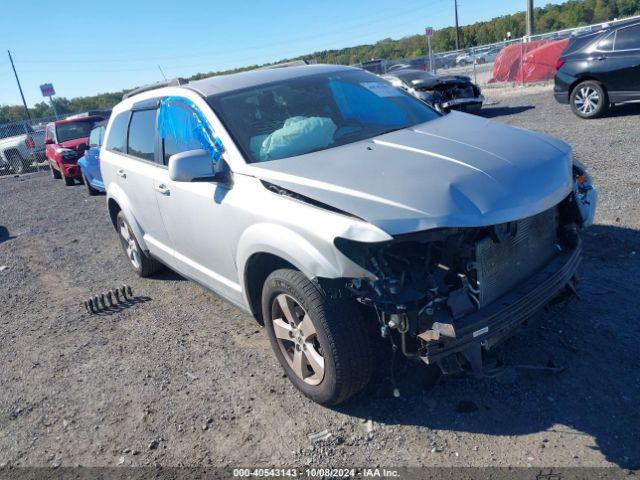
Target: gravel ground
<point x="182" y="378"/>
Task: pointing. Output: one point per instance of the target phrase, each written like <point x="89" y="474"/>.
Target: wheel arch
<point x="116" y="202"/>
<point x="265" y="247"/>
<point x="257" y="268"/>
<point x="114" y="208"/>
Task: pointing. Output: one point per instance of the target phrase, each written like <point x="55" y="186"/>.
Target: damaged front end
<point x="446" y="294"/>
<point x="450" y="94"/>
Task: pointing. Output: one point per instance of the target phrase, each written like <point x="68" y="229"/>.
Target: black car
<point x="444" y="93"/>
<point x="597" y="70"/>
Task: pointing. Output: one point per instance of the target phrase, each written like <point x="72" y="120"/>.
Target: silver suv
<point x="336" y="209"/>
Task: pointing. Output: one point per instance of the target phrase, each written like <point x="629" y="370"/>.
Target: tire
<point x="142" y="264"/>
<point x="55" y="173"/>
<point x="69" y="181"/>
<point x="326" y="329"/>
<point x="18" y="164"/>
<point x="92" y="191"/>
<point x="589" y="100"/>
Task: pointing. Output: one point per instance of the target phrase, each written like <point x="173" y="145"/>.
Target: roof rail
<point x="292" y="63"/>
<point x="174" y="82"/>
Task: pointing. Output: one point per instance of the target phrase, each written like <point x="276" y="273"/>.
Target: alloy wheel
<point x="587" y="100"/>
<point x="298" y="339"/>
<point x="130" y="245"/>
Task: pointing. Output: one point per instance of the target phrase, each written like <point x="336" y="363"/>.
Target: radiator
<point x="502" y="265"/>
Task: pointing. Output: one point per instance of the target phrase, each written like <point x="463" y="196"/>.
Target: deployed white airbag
<point x="298" y="135"/>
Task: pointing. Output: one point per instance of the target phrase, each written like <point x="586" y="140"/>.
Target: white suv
<point x="325" y="202"/>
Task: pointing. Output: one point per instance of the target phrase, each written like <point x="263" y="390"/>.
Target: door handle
<point x="121" y="173"/>
<point x="162" y="189"/>
<point x="601" y="57"/>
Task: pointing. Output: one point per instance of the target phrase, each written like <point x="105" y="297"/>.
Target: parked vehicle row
<point x="478" y="56"/>
<point x="335" y="207"/>
<point x="66" y="142"/>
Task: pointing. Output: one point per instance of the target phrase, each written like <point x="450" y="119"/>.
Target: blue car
<point x="90" y="163"/>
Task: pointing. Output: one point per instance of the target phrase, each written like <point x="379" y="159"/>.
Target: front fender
<point x="115" y="193"/>
<point x="286" y="244"/>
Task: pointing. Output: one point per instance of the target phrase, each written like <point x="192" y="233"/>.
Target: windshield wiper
<point x="395" y="129"/>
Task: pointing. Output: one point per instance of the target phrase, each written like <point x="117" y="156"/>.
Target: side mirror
<point x="49" y="141"/>
<point x="197" y="166"/>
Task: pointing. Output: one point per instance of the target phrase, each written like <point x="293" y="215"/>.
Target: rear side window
<point x="95" y="138"/>
<point x="142" y="129"/>
<point x="606" y="44"/>
<point x="628" y="38"/>
<point x="116" y="142"/>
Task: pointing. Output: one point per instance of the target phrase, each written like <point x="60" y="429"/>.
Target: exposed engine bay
<point x="452" y="291"/>
<point x="457" y="93"/>
<point x="451" y="92"/>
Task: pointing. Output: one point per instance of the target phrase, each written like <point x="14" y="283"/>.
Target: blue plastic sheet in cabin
<point x="184" y="122"/>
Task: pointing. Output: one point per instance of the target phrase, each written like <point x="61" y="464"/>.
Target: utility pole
<point x="19" y="87"/>
<point x="530" y="25"/>
<point x="455" y="3"/>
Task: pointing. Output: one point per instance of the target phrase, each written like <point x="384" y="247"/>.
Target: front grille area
<point x="501" y="265"/>
<point x="463" y="92"/>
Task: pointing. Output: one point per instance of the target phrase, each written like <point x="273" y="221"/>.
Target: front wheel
<point x="55" y="173"/>
<point x="589" y="100"/>
<point x="69" y="181"/>
<point x="321" y="342"/>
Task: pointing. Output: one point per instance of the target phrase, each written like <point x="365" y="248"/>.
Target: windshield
<point x="316" y="112"/>
<point x="74" y="130"/>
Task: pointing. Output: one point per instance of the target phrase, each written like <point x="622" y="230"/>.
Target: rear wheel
<point x="68" y="181"/>
<point x="321" y="342"/>
<point x="142" y="263"/>
<point x="589" y="100"/>
<point x="18" y="164"/>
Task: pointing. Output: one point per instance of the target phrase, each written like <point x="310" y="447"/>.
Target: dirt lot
<point x="182" y="378"/>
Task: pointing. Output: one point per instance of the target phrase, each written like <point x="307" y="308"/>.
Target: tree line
<point x="573" y="13"/>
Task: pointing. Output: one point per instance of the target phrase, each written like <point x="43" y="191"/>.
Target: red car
<point x="66" y="142"/>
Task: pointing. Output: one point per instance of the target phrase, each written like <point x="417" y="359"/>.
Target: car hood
<point x="459" y="170"/>
<point x="75" y="144"/>
<point x="448" y="80"/>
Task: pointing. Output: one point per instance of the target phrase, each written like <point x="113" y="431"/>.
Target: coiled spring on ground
<point x="112" y="299"/>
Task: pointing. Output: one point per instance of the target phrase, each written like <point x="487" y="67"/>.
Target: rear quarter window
<point x="117" y="139"/>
